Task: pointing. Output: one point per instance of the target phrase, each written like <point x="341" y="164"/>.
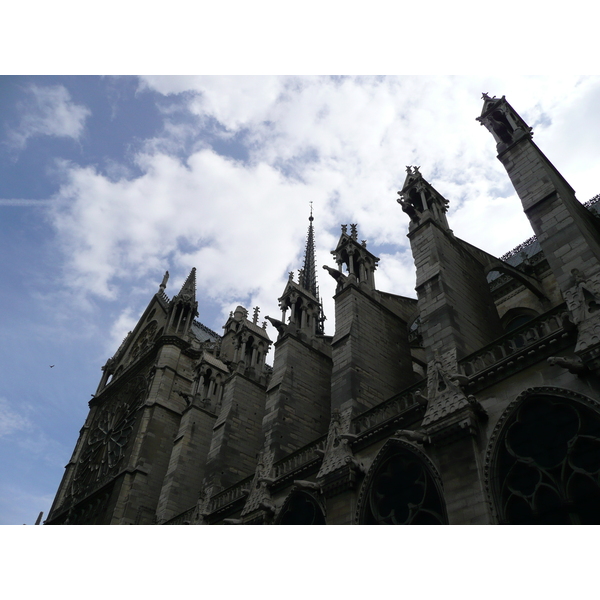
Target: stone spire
<point x="184" y="307"/>
<point x="188" y="289"/>
<point x="308" y="276"/>
<point x="302" y="298"/>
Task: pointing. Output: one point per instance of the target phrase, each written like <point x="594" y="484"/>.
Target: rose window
<point x="105" y="446"/>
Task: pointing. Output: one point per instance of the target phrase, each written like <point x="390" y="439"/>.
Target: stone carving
<point x="163" y="283"/>
<point x="444" y="393"/>
<point x="340" y="278"/>
<point x="583" y="301"/>
<point x="338" y="452"/>
<point x="260" y="496"/>
<point x="301" y="484"/>
<point x="144" y="341"/>
<point x="574" y="365"/>
<point x="106" y="444"/>
<point x="279" y="325"/>
<point x="408" y="208"/>
<point x="420" y="437"/>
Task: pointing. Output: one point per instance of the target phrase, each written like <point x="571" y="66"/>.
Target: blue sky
<point x="107" y="182"/>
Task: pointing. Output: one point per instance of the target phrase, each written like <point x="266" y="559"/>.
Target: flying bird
<point x="52" y="366"/>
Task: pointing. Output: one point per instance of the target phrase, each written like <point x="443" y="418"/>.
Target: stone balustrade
<point x="517" y="344"/>
<point x="297" y="459"/>
<point x="388" y="409"/>
<point x="184" y="518"/>
<point x="231" y="494"/>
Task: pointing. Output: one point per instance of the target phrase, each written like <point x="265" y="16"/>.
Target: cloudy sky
<point x="107" y="182"/>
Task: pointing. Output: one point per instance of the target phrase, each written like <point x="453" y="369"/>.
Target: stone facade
<point x="476" y="403"/>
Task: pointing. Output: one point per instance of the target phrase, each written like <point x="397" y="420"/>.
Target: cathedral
<point x="476" y="403"/>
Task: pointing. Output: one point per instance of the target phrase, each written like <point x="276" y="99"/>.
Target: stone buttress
<point x="566" y="231"/>
<point x="298" y="397"/>
<point x="237" y="436"/>
<point x="370" y="348"/>
<point x="458" y="316"/>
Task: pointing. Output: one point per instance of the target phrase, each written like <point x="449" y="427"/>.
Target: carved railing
<point x="516" y="343"/>
<point x="299" y="458"/>
<point x="185" y="518"/>
<point x="388" y="409"/>
<point x="231" y="494"/>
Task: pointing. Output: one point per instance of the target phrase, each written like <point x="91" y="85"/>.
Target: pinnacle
<point x="308" y="275"/>
<point x="188" y="290"/>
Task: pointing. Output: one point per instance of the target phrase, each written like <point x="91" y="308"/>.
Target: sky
<point x="108" y="182"/>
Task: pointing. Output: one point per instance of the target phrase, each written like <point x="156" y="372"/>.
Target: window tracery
<point x="106" y="444"/>
<point x="301" y="509"/>
<point x="547" y="463"/>
<point x="401" y="490"/>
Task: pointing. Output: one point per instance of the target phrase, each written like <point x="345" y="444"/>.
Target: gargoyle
<point x="415" y="436"/>
<point x="268" y="506"/>
<point x="420" y="398"/>
<point x="337" y="275"/>
<point x="460" y="379"/>
<point x="185" y="396"/>
<point x="574" y="365"/>
<point x="302" y="484"/>
<point x="279" y="325"/>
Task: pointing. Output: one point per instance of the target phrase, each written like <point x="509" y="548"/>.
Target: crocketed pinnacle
<point x="308" y="276"/>
<point x="188" y="290"/>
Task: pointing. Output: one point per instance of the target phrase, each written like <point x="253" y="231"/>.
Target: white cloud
<point x="341" y="143"/>
<point x="48" y="111"/>
<point x="11" y="421"/>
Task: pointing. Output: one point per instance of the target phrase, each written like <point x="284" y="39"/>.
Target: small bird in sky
<point x="52" y="366"/>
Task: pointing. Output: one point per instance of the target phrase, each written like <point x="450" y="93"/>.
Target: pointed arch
<point x="543" y="459"/>
<point x="402" y="487"/>
<point x="301" y="508"/>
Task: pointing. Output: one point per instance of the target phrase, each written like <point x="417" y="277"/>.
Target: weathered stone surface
<point x="472" y="404"/>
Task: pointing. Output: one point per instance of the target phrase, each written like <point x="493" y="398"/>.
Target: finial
<point x="344" y="228"/>
<point x="353" y="231"/>
<point x="291" y="276"/>
<point x="255" y="317"/>
<point x="163" y="283"/>
<point x="364" y="243"/>
<point x="311" y="217"/>
<point x="264" y="324"/>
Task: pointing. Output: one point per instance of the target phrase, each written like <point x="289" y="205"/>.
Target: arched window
<point x="301" y="509"/>
<point x="546" y="462"/>
<point x="400" y="489"/>
<point x="516" y="317"/>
